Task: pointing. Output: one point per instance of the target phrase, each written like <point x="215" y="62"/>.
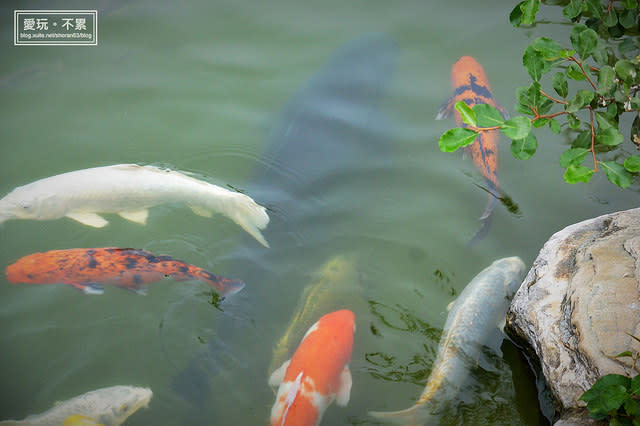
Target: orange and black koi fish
<point x="470" y="85"/>
<point x="86" y="269"/>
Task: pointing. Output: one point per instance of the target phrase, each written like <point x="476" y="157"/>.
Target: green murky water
<point x="200" y="87"/>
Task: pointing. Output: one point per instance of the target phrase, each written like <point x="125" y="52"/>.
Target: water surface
<point x="203" y="88"/>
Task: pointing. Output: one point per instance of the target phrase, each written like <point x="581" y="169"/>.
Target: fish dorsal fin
<point x="294" y="390"/>
<point x="89" y="219"/>
<point x="344" y="390"/>
<point x="201" y="211"/>
<point x="137" y="216"/>
<point x="278" y="376"/>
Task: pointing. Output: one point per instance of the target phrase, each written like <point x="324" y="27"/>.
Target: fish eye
<point x="25" y="205"/>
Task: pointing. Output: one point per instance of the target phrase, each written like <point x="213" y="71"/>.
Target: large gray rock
<point x="577" y="303"/>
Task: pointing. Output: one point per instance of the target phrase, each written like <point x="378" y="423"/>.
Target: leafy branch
<point x="591" y="115"/>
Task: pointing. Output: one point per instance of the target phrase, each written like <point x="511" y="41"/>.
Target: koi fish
<point x="87" y="269"/>
<point x="128" y="190"/>
<point x="474" y="318"/>
<point x="470" y="85"/>
<point x="108" y="406"/>
<point x="317" y="374"/>
<point x="335" y="285"/>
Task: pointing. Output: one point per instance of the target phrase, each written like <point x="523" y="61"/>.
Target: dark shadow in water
<point x="329" y="140"/>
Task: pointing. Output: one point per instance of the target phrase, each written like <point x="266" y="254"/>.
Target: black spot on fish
<point x="164" y="258"/>
<point x="208" y="275"/>
<point x="184" y="269"/>
<point x="132" y="262"/>
<point x="29" y="276"/>
<point x="93" y="263"/>
<point x="475" y="88"/>
<point x="137" y="279"/>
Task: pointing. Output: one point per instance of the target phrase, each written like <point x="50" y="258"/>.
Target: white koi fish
<point x="108" y="406"/>
<point x="128" y="190"/>
<point x="477" y="314"/>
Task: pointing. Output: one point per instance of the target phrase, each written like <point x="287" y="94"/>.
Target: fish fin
<point x="344" y="391"/>
<point x="251" y="216"/>
<point x="278" y="376"/>
<point x="293" y="392"/>
<point x="201" y="211"/>
<point x="91" y="288"/>
<point x="450" y="305"/>
<point x="445" y="109"/>
<point x="139" y="290"/>
<point x="416" y="415"/>
<point x="89" y="219"/>
<point x="137" y="216"/>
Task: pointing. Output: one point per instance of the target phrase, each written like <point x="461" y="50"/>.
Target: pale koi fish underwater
<point x="225" y="214"/>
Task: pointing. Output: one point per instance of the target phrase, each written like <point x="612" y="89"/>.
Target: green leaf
<point x="609" y="136"/>
<point x="594" y="7"/>
<point x="574" y="122"/>
<point x="456" y="138"/>
<point x="601" y="54"/>
<point x="630" y="406"/>
<point x="466" y="113"/>
<point x="604" y="121"/>
<point x="573" y="9"/>
<point x="575" y="174"/>
<point x="573" y="156"/>
<point x="487" y="115"/>
<point x="554" y="126"/>
<point x="632" y="163"/>
<point x="610" y="17"/>
<point x="529" y="10"/>
<point x="586" y="43"/>
<point x="560" y="84"/>
<point x="628" y="18"/>
<point x="574" y="72"/>
<point x="522" y="96"/>
<point x="534" y="93"/>
<point x="582" y="98"/>
<point x="540" y="122"/>
<point x="624" y="354"/>
<point x="630" y="4"/>
<point x="515" y="17"/>
<point x="583" y="140"/>
<point x="549" y="49"/>
<point x="626" y="71"/>
<point x="606" y="79"/>
<point x="617" y="174"/>
<point x="524" y="148"/>
<point x="534" y="63"/>
<point x="627" y="46"/>
<point x="635" y="385"/>
<point x="517" y="127"/>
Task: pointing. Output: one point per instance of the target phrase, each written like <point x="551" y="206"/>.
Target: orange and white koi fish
<point x="317" y="374"/>
<point x="86" y="269"/>
<point x="470" y="85"/>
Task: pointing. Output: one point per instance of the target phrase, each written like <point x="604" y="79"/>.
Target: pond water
<point x="227" y="90"/>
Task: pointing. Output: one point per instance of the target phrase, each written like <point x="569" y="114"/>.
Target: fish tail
<point x="224" y="286"/>
<point x="251" y="216"/>
<point x="419" y="414"/>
